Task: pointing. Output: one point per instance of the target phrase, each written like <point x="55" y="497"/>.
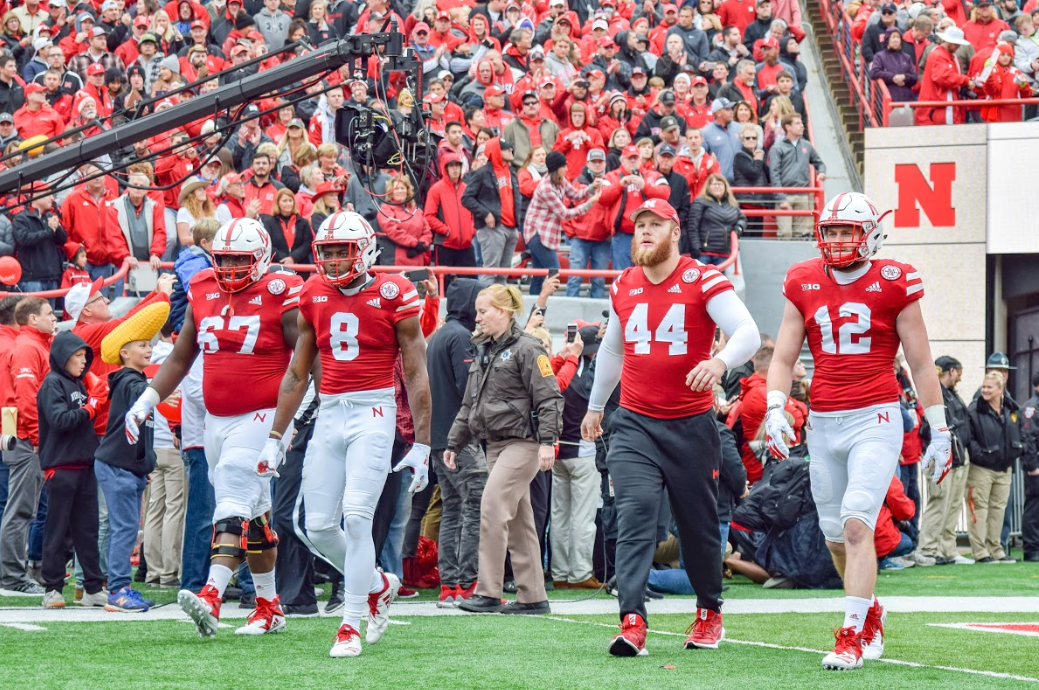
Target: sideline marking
<point x="1025" y="629"/>
<point x="767" y="645"/>
<point x="23" y="626"/>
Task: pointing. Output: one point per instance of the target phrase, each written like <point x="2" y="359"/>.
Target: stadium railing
<point x="887" y="105"/>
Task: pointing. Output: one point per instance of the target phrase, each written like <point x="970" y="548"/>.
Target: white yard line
<point x="23" y="626"/>
<point x="820" y="652"/>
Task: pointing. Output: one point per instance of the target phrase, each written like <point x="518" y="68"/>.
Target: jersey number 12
<point x="851" y="336"/>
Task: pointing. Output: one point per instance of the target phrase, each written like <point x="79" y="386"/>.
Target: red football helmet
<point x="241" y="237"/>
<point x="345" y="228"/>
<point x="854" y="209"/>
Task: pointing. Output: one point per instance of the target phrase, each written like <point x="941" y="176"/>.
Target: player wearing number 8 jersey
<point x="357" y="323"/>
<point x="242" y="319"/>
<point x="855" y="310"/>
<point x="658" y="346"/>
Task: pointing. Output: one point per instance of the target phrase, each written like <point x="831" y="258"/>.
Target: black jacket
<point x="38" y="249"/>
<point x="747" y="172"/>
<point x="1030" y="434"/>
<point x="125" y="386"/>
<point x="300" y="249"/>
<point x="449" y="356"/>
<point x="732" y="475"/>
<point x="575" y="405"/>
<point x="66" y="429"/>
<point x="679" y="198"/>
<point x="710" y="223"/>
<point x="650" y="125"/>
<point x="957" y="418"/>
<point x="995" y="438"/>
<point x="481" y="194"/>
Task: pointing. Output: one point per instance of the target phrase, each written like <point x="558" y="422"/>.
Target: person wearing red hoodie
<point x="1001" y="80"/>
<point x="450" y="221"/>
<point x="888" y="540"/>
<point x="623" y="191"/>
<point x="29" y="366"/>
<point x="575" y="141"/>
<point x="752" y="408"/>
<point x="496" y="118"/>
<point x="492" y="195"/>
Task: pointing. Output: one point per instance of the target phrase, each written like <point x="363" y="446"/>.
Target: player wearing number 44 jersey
<point x="855" y="310"/>
<point x="658" y="346"/>
<point x="358" y="324"/>
<point x="242" y="319"/>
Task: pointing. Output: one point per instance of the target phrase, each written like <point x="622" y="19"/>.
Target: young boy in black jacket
<point x="122" y="469"/>
<point x="67" y="445"/>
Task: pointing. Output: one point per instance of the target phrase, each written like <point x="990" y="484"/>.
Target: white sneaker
<point x="266" y="618"/>
<point x="97" y="599"/>
<point x="921" y="559"/>
<point x="962" y="560"/>
<point x="379" y="608"/>
<point x="53" y="600"/>
<point x="904" y="562"/>
<point x="347" y="643"/>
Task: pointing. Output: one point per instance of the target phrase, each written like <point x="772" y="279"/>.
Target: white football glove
<point x="271" y="457"/>
<point x="139" y="412"/>
<point x="418" y="460"/>
<point x="938" y="457"/>
<point x="778" y="430"/>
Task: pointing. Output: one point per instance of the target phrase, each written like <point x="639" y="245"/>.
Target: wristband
<point x="775" y="399"/>
<point x="150" y="396"/>
<point x="276" y="435"/>
<point x="935" y="416"/>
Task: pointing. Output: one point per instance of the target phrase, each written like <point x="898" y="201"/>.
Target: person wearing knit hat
<point x="122" y="468"/>
<point x="547" y="211"/>
<point x="1001" y="80"/>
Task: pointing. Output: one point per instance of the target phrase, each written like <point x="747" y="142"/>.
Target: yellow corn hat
<point x="143" y="325"/>
<point x="30" y="144"/>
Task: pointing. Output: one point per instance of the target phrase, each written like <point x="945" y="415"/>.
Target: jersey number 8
<point x="342" y="337"/>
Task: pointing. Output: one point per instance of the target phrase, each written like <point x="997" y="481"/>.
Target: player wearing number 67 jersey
<point x="358" y="323"/>
<point x="855" y="310"/>
<point x="242" y="319"/>
<point x="658" y="346"/>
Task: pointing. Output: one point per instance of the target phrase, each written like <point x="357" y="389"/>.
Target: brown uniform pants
<point x="507" y="522"/>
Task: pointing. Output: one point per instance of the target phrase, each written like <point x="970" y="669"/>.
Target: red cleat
<point x="267" y="618"/>
<point x="706" y="632"/>
<point x="847" y="653"/>
<point x="632" y="639"/>
<point x="873" y="632"/>
<point x="203" y="608"/>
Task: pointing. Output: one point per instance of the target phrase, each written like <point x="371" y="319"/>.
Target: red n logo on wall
<point x="934" y="197"/>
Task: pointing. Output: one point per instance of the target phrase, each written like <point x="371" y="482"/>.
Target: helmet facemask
<point x="329" y="267"/>
<point x="236" y="278"/>
<point x="844" y="254"/>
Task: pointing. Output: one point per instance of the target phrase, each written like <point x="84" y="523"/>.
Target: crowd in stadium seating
<point x="951" y="51"/>
<point x="644" y="87"/>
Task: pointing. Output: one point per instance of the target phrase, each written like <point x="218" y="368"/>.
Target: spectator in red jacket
<point x="589" y="233"/>
<point x="451" y="223"/>
<point x="890" y="542"/>
<point x="136" y="226"/>
<point x="36" y="117"/>
<point x="575" y="141"/>
<point x="623" y="191"/>
<point x="984" y="27"/>
<point x="942" y="81"/>
<point x="1002" y="80"/>
<point x="84" y="214"/>
<point x="404" y="226"/>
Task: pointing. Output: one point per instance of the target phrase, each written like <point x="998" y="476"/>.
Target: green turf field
<point x="561" y="651"/>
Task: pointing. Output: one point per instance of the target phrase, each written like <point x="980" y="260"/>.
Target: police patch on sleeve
<point x="544" y="366"/>
<point x="276" y="286"/>
<point x="891" y="272"/>
<point x="389" y="290"/>
<point x="690" y="275"/>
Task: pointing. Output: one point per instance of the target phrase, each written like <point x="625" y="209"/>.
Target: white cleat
<point x="267" y="618"/>
<point x="379" y="608"/>
<point x="347" y="643"/>
<point x="847" y="653"/>
<point x="873" y="632"/>
<point x="203" y="608"/>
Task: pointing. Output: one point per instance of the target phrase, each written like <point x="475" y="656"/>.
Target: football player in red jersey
<point x="242" y="319"/>
<point x="855" y="310"/>
<point x="664" y="311"/>
<point x="357" y="323"/>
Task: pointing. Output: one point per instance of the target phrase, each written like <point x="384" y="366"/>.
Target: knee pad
<point x="357" y="525"/>
<point x="262" y="536"/>
<point x="862" y="506"/>
<point x="238" y="526"/>
<point x="832" y="529"/>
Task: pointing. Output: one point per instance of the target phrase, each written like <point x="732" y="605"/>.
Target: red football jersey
<point x="667" y="331"/>
<point x="357" y="334"/>
<point x="240" y="336"/>
<point x="851" y="330"/>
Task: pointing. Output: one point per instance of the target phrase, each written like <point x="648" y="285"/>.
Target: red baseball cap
<point x="33" y="87"/>
<point x="142" y="21"/>
<point x="605" y="41"/>
<point x="198" y="24"/>
<point x="95" y="68"/>
<point x="434" y="97"/>
<point x="670" y="8"/>
<point x="770" y="42"/>
<point x="443" y="15"/>
<point x="697" y="81"/>
<point x="492" y="91"/>
<point x="657" y="207"/>
<point x="630" y="151"/>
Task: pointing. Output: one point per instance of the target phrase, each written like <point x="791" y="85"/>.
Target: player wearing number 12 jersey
<point x="242" y="319"/>
<point x="658" y="346"/>
<point x="855" y="310"/>
<point x="357" y="323"/>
